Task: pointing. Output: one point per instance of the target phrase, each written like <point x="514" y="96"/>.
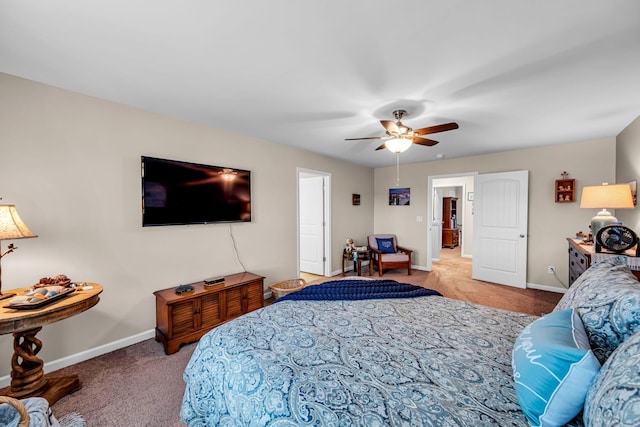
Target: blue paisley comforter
<point x="425" y="361"/>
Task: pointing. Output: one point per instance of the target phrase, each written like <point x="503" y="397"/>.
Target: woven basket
<point x="285" y="287"/>
<point x="19" y="406"/>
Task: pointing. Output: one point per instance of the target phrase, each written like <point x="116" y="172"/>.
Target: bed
<point x="419" y="360"/>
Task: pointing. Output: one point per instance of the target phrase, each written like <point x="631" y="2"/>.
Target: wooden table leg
<point x="27" y="374"/>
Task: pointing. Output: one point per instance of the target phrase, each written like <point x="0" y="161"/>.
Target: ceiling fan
<point x="400" y="137"/>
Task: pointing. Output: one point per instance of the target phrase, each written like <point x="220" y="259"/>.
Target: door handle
<point x="522" y="236"/>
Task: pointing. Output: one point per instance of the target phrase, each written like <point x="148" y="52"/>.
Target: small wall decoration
<point x="634" y="191"/>
<point x="355" y="199"/>
<point x="565" y="189"/>
<point x="399" y="196"/>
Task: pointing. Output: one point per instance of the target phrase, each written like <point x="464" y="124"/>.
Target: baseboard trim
<point x="54" y="365"/>
<point x="350" y="269"/>
<point x="546" y="288"/>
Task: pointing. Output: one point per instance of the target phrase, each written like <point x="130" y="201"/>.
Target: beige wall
<point x="590" y="163"/>
<point x="628" y="169"/>
<point x="71" y="165"/>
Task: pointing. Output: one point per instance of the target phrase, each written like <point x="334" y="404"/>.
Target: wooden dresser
<point x="580" y="258"/>
<point x="450" y="230"/>
<point x="184" y="318"/>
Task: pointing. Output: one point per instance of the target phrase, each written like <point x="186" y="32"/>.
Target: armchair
<point x="385" y="253"/>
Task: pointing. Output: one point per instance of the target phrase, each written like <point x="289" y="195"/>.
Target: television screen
<point x="175" y="192"/>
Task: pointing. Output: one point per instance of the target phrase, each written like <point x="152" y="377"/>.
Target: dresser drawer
<point x="574" y="273"/>
<point x="578" y="261"/>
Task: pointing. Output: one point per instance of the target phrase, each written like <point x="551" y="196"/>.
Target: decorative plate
<point x="41" y="303"/>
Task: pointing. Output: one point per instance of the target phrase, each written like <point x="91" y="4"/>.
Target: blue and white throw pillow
<point x="614" y="398"/>
<point x="607" y="297"/>
<point x="386" y="246"/>
<point x="553" y="368"/>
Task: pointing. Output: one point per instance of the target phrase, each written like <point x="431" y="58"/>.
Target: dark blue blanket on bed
<point x="358" y="290"/>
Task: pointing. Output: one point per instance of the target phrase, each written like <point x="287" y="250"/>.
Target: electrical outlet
<point x="551" y="269"/>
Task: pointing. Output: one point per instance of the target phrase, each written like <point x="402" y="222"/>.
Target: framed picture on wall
<point x="355" y="199"/>
<point x="399" y="196"/>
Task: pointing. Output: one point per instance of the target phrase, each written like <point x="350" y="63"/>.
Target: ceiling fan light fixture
<point x="402" y="137"/>
<point x="398" y="145"/>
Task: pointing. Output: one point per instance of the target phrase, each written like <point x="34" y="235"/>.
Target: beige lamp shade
<point x="11" y="226"/>
<point x="617" y="196"/>
<point x="398" y="145"/>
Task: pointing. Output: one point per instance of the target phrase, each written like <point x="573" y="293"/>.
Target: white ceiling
<point x="511" y="73"/>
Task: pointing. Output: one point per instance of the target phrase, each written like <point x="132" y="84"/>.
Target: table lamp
<point x="616" y="196"/>
<point x="11" y="228"/>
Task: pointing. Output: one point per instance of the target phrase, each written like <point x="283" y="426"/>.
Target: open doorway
<point x="314" y="225"/>
<point x="450" y="206"/>
<point x="449" y="214"/>
<point x="494" y="222"/>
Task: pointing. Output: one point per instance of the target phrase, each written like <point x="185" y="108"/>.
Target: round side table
<point x="27" y="374"/>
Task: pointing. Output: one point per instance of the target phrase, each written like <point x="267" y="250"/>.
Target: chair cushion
<point x="553" y="368"/>
<point x="606" y="296"/>
<point x="397" y="257"/>
<point x="614" y="397"/>
<point x="386" y="246"/>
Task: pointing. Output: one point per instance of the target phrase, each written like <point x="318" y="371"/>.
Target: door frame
<point x="300" y="173"/>
<point x="430" y="186"/>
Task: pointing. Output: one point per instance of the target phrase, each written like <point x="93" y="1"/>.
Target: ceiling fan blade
<point x="424" y="141"/>
<point x="437" y="128"/>
<point x="382" y="147"/>
<point x="390" y="126"/>
<point x="368" y="137"/>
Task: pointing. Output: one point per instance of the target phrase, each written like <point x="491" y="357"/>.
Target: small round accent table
<point x="27" y="374"/>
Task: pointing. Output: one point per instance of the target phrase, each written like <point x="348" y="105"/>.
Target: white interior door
<point x="311" y="199"/>
<point x="500" y="228"/>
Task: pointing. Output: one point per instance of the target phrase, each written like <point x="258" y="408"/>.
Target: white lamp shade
<point x="11" y="226"/>
<point x="398" y="145"/>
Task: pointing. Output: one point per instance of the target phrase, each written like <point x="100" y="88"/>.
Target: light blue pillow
<point x="614" y="398"/>
<point x="607" y="297"/>
<point x="553" y="368"/>
<point x="386" y="246"/>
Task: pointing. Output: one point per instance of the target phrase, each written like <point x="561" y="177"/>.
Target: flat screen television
<point x="175" y="193"/>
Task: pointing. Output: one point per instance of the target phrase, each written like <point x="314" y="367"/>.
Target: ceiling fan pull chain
<point x="397" y="169"/>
